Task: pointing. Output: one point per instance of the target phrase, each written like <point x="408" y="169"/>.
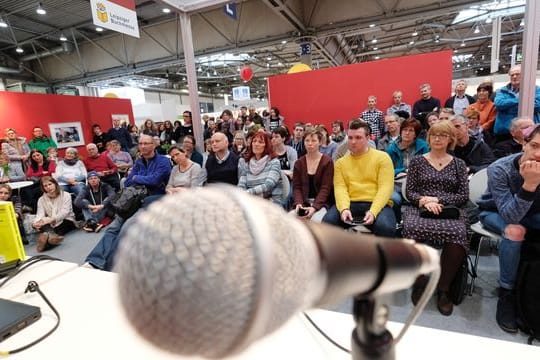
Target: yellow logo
<point x="101" y="12"/>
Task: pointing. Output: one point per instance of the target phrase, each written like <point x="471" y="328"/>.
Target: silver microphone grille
<point x="208" y="271"/>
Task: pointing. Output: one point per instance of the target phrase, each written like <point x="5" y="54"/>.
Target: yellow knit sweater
<point x="368" y="177"/>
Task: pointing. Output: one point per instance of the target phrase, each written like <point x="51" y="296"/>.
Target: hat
<point x="92" y="173"/>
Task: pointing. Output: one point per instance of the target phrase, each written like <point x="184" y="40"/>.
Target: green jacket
<point x="42" y="144"/>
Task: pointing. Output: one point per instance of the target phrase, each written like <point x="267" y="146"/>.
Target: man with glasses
<point x="151" y="170"/>
<point x="392" y="132"/>
<point x="40" y="141"/>
<point x="476" y="153"/>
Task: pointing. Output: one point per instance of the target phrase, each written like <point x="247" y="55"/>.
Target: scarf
<point x="70" y="162"/>
<point x="257" y="166"/>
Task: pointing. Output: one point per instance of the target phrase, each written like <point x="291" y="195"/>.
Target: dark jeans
<point x="384" y="225"/>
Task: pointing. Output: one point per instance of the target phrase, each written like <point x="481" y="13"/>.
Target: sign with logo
<point x="305" y="49"/>
<point x="240" y="93"/>
<point x="116" y="15"/>
<point x="230" y="9"/>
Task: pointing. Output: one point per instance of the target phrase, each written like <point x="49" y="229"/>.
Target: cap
<point x="92" y="173"/>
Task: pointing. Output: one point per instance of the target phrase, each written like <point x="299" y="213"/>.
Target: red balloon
<point x="246" y="73"/>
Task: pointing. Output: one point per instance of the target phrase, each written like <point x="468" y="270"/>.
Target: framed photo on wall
<point x="124" y="119"/>
<point x="67" y="134"/>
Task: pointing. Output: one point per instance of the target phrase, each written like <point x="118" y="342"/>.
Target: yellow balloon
<point x="298" y="68"/>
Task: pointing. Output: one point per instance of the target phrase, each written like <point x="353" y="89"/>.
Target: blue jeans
<point x="384" y="225"/>
<point x="509" y="251"/>
<point x="96" y="216"/>
<point x="102" y="255"/>
<point x="74" y="189"/>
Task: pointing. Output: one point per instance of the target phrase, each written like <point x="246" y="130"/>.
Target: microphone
<point x="208" y="271"/>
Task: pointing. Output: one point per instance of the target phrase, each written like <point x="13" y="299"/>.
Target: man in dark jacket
<point x="120" y="133"/>
<point x="476" y="153"/>
<point x="94" y="201"/>
<point x="460" y="101"/>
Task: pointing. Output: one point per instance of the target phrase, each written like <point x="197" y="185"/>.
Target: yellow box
<point x="11" y="246"/>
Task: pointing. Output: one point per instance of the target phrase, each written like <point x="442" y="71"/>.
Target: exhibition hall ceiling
<point x="60" y="45"/>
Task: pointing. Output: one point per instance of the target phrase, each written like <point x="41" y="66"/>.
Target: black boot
<point x="506" y="311"/>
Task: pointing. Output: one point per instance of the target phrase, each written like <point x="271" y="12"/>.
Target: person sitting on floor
<point x="435" y="180"/>
<point x="55" y="216"/>
<point x="6" y="195"/>
<point x="94" y="201"/>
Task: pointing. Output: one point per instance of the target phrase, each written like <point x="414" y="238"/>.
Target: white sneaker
<point x="88" y="266"/>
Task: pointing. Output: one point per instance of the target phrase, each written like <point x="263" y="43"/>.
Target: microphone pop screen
<point x="208" y="271"/>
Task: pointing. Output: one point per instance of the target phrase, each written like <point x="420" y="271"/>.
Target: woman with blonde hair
<point x="437" y="189"/>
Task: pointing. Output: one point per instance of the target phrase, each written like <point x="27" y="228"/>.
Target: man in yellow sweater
<point x="363" y="185"/>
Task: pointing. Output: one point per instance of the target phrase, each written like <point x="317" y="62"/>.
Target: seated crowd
<point x="353" y="176"/>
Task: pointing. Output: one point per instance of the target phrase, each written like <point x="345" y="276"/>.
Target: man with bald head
<point x="222" y="164"/>
<point x="103" y="165"/>
<point x="151" y="169"/>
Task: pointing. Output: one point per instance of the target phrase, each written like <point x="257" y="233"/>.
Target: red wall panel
<point x="340" y="93"/>
<point x="23" y="111"/>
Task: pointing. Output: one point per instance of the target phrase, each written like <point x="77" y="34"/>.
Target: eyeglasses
<point x="440" y="136"/>
<point x="187" y="142"/>
<point x="146" y="143"/>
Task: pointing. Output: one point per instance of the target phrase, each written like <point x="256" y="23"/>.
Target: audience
<point x="361" y="194"/>
<point x="40" y="141"/>
<point x="274" y="120"/>
<point x="99" y="138"/>
<point x="297" y="141"/>
<point x="460" y="101"/>
<point x="103" y="165"/>
<point x="54" y="217"/>
<point x="476" y="153"/>
<point x="510" y="207"/>
<point x="222" y="164"/>
<point x="94" y="201"/>
<point x="286" y="155"/>
<point x="10" y="171"/>
<point x="328" y="147"/>
<point x="188" y="144"/>
<point x="185" y="129"/>
<point x="484" y="106"/>
<point x="338" y="133"/>
<point x="313" y="180"/>
<point x="374" y="118"/>
<point x="425" y="105"/>
<point x="259" y="171"/>
<point x="398" y="106"/>
<point x="120" y="133"/>
<point x="186" y="174"/>
<point x="518" y="127"/>
<point x="392" y="132"/>
<point x="16" y="148"/>
<point x="437" y="180"/>
<point x="121" y="159"/>
<point x="71" y="172"/>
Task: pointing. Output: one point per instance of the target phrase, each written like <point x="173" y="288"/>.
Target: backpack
<point x="460" y="284"/>
<point x="128" y="200"/>
<point x="527" y="288"/>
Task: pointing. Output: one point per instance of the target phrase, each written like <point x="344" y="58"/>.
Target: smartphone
<point x="302" y="212"/>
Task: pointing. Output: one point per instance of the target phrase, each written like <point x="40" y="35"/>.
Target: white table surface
<point x="20" y="184"/>
<point x="94" y="326"/>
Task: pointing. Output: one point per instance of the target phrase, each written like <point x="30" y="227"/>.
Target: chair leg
<point x="475" y="265"/>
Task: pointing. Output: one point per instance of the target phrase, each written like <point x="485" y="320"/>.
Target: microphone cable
<point x="326" y="336"/>
<point x="26" y="264"/>
<point x="34" y="287"/>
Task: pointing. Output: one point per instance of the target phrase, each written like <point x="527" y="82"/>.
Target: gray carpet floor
<point x="476" y="315"/>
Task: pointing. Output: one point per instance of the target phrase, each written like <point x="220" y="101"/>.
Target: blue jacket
<point x="421" y="147"/>
<point x="154" y="174"/>
<point x="505" y="194"/>
<point x="506" y="102"/>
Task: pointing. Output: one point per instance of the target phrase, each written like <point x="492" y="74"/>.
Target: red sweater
<point x="30" y="173"/>
<point x="100" y="163"/>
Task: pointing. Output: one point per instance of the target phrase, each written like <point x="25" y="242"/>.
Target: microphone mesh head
<point x="193" y="275"/>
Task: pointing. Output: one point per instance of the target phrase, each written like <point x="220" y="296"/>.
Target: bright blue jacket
<point x="421" y="147"/>
<point x="154" y="174"/>
<point x="506" y="102"/>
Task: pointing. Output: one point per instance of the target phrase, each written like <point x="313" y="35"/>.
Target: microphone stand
<point x="370" y="339"/>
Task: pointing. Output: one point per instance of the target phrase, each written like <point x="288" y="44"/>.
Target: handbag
<point x="128" y="200"/>
<point x="460" y="284"/>
<point x="447" y="212"/>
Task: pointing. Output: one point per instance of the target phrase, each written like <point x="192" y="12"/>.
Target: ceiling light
<point x="166" y="10"/>
<point x="199" y="69"/>
<point x="458" y="66"/>
<point x="375" y="48"/>
<point x="463" y="43"/>
<point x="283" y="42"/>
<point x="63" y="37"/>
<point x="377" y="57"/>
<point x="476" y="30"/>
<point x="99" y="29"/>
<point x="269" y="58"/>
<point x="19" y="50"/>
<point x="215" y="73"/>
<point x="374" y="41"/>
<point x="411" y="42"/>
<point x="415" y="33"/>
<point x="3" y="24"/>
<point x="522" y="23"/>
<point x="40" y="10"/>
<point x="489" y="20"/>
<point x="455" y="51"/>
<point x="371" y="25"/>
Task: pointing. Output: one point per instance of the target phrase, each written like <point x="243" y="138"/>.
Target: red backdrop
<point x="23" y="111"/>
<point x="340" y="93"/>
